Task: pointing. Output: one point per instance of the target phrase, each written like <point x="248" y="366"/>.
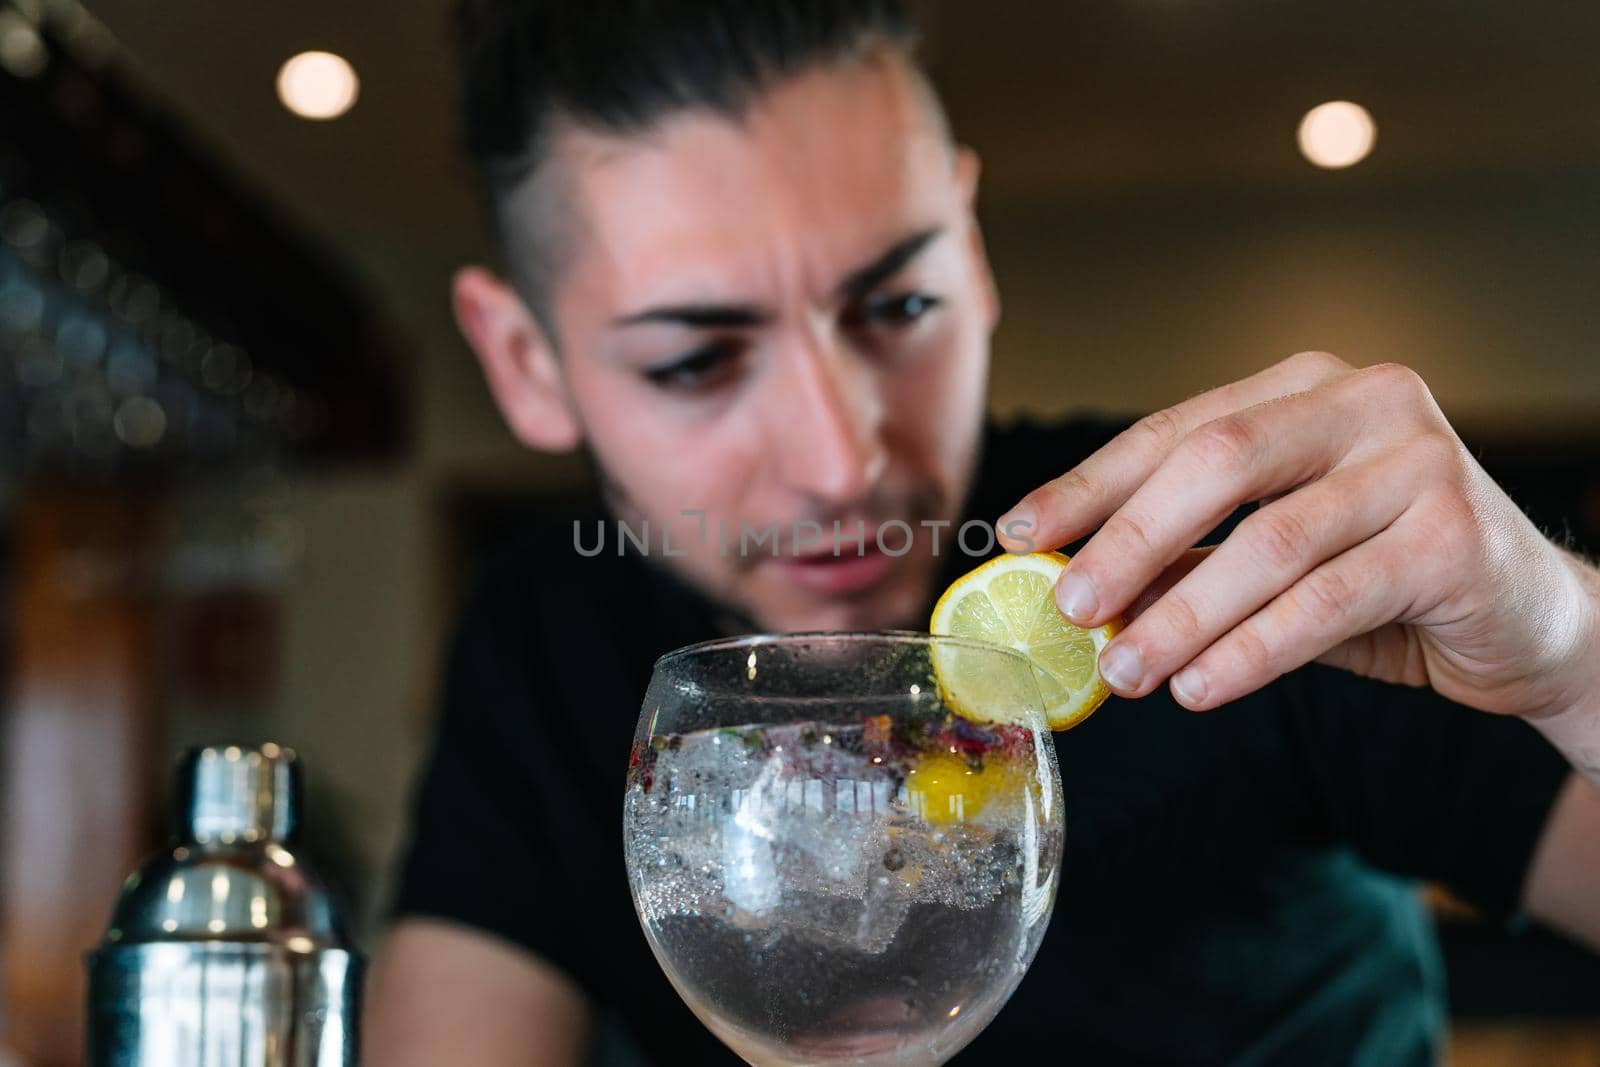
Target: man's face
<point x="779" y="321"/>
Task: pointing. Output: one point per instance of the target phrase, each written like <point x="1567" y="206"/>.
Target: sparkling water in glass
<point x="830" y="863"/>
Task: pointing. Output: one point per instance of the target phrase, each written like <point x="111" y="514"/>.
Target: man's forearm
<point x="441" y="992"/>
<point x="1562" y="887"/>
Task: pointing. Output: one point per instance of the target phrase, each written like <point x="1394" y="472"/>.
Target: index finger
<point x="1065" y="508"/>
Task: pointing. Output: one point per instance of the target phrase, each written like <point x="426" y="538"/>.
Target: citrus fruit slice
<point x="1009" y="601"/>
<point x="945" y="787"/>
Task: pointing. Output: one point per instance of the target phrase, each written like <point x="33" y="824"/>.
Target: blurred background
<point x="245" y="460"/>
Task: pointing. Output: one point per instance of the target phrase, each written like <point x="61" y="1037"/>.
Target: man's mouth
<point x="837" y="575"/>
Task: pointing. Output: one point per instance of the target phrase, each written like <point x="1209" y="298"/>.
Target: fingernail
<point x="1120" y="667"/>
<point x="1021" y="518"/>
<point x="1188" y="685"/>
<point x="1076" y="598"/>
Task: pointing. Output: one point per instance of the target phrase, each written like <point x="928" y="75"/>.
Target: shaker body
<point x="206" y="1004"/>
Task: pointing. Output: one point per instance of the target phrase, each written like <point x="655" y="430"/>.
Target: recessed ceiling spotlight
<point x="22" y="50"/>
<point x="1337" y="134"/>
<point x="317" y="85"/>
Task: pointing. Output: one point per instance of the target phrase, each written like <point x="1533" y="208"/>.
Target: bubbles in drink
<point x="866" y="892"/>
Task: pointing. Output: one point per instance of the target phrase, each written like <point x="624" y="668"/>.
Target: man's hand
<point x="1381" y="546"/>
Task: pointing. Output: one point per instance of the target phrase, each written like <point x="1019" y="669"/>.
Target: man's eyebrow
<point x="700" y="316"/>
<point x="861" y="281"/>
<point x="857" y="284"/>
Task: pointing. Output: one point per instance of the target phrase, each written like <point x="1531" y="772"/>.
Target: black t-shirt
<point x="1220" y="898"/>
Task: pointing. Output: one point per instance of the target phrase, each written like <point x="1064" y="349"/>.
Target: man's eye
<point x="699" y="371"/>
<point x="899" y="310"/>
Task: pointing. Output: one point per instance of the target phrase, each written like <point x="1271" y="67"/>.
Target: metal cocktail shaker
<point x="226" y="949"/>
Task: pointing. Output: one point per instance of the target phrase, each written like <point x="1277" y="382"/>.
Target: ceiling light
<point x="1337" y="134"/>
<point x="317" y="85"/>
<point x="22" y="51"/>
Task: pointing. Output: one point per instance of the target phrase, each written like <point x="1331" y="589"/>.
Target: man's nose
<point x="828" y="422"/>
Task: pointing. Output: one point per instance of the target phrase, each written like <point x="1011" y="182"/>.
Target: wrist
<point x="1573" y="723"/>
<point x="1576" y="735"/>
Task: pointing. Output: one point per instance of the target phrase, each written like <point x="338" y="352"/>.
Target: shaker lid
<point x="229" y="793"/>
<point x="233" y="875"/>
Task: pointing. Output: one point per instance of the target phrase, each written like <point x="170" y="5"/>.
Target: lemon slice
<point x="946" y="787"/>
<point x="1009" y="601"/>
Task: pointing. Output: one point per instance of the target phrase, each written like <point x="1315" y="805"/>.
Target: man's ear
<point x="518" y="360"/>
<point x="967" y="168"/>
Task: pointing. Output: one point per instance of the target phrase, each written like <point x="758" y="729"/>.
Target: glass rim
<point x="846" y="637"/>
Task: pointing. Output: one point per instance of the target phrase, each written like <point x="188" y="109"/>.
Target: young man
<point x="745" y="276"/>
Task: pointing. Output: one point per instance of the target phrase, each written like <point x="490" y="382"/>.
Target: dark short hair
<point x="619" y="67"/>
